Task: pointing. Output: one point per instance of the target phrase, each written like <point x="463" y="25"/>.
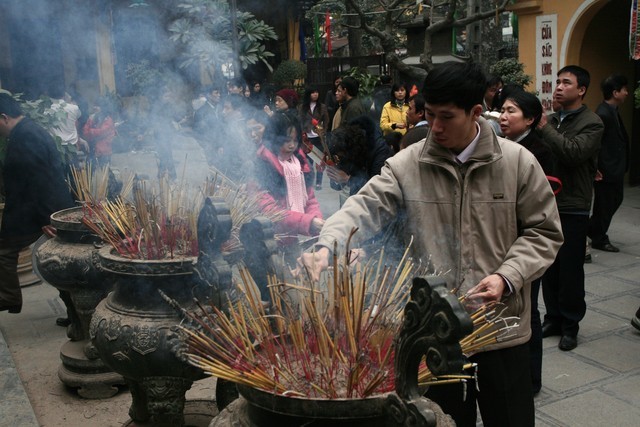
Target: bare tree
<point x="395" y="10"/>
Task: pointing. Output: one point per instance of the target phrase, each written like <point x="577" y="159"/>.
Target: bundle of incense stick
<point x="160" y="221"/>
<point x="90" y="184"/>
<point x="333" y="339"/>
<point x="244" y="206"/>
<point x="158" y="224"/>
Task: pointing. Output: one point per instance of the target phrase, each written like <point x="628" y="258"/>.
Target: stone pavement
<point x="597" y="384"/>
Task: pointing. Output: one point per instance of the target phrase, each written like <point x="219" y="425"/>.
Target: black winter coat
<point x="33" y="179"/>
<point x="377" y="153"/>
<point x="613" y="158"/>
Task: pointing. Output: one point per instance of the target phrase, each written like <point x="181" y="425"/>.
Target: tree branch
<point x="449" y="22"/>
<point x="364" y="24"/>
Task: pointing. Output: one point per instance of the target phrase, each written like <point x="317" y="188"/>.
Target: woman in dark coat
<point x="519" y="116"/>
<point x="314" y="118"/>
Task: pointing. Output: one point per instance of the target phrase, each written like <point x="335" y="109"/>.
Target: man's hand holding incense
<point x="489" y="289"/>
<point x="315" y="263"/>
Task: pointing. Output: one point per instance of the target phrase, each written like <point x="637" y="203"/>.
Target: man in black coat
<point x="34" y="189"/>
<point x="381" y="95"/>
<point x="613" y="162"/>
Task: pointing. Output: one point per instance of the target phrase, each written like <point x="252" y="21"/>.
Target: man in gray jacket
<point x="480" y="208"/>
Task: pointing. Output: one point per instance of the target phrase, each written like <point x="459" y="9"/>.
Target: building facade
<point x="591" y="33"/>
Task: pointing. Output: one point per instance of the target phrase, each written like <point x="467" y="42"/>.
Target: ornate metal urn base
<point x="258" y="408"/>
<point x="134" y="328"/>
<point x="197" y="413"/>
<point x="68" y="262"/>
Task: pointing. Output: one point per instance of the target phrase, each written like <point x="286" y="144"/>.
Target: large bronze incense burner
<point x="68" y="262"/>
<point x="133" y="328"/>
<point x="434" y="323"/>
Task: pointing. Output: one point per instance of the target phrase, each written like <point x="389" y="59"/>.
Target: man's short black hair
<point x="213" y="87"/>
<point x="236" y="101"/>
<point x="56" y="91"/>
<point x="582" y="76"/>
<point x="351" y="85"/>
<point x="460" y="83"/>
<point x="385" y="79"/>
<point x="494" y="80"/>
<point x="9" y="106"/>
<point x="611" y="83"/>
<point x="418" y="101"/>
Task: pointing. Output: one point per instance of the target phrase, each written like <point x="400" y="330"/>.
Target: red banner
<point x="327" y="30"/>
<point x="634" y="42"/>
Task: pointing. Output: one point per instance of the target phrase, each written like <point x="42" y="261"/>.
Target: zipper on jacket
<point x="461" y="177"/>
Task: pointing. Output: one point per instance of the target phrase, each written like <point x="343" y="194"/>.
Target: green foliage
<point x="288" y="72"/>
<point x="40" y="112"/>
<point x="365" y="78"/>
<point x="511" y="71"/>
<point x="143" y="78"/>
<point x="203" y="27"/>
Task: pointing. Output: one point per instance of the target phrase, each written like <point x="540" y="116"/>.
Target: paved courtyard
<point x="597" y="384"/>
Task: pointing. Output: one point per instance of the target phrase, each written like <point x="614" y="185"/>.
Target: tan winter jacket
<point x="501" y="218"/>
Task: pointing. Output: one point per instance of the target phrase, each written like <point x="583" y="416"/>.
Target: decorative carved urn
<point x="68" y="262"/>
<point x="134" y="327"/>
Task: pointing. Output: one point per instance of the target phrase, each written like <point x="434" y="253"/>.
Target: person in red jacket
<point x="100" y="131"/>
<point x="284" y="174"/>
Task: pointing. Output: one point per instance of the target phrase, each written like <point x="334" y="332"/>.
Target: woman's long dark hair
<point x="306" y="98"/>
<point x="277" y="131"/>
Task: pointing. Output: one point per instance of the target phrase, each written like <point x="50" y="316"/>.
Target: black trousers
<point x="563" y="282"/>
<point x="10" y="293"/>
<point x="505" y="398"/>
<point x="606" y="201"/>
<point x="535" y="343"/>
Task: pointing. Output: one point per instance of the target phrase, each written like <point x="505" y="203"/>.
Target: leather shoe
<point x="588" y="259"/>
<point x="607" y="247"/>
<point x="16" y="308"/>
<point x="549" y="330"/>
<point x="635" y="320"/>
<point x="568" y="342"/>
<point x="63" y="321"/>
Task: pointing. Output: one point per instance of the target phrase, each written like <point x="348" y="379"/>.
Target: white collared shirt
<point x="467" y="152"/>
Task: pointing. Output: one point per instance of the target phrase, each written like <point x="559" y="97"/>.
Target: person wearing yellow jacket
<point x="394" y="113"/>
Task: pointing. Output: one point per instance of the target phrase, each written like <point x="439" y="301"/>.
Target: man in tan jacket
<point x="479" y="207"/>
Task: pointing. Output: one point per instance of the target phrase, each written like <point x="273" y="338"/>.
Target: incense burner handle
<point x="434" y="323"/>
<point x="258" y="240"/>
<point x="213" y="273"/>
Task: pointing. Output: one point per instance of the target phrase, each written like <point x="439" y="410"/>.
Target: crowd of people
<point x="492" y="190"/>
